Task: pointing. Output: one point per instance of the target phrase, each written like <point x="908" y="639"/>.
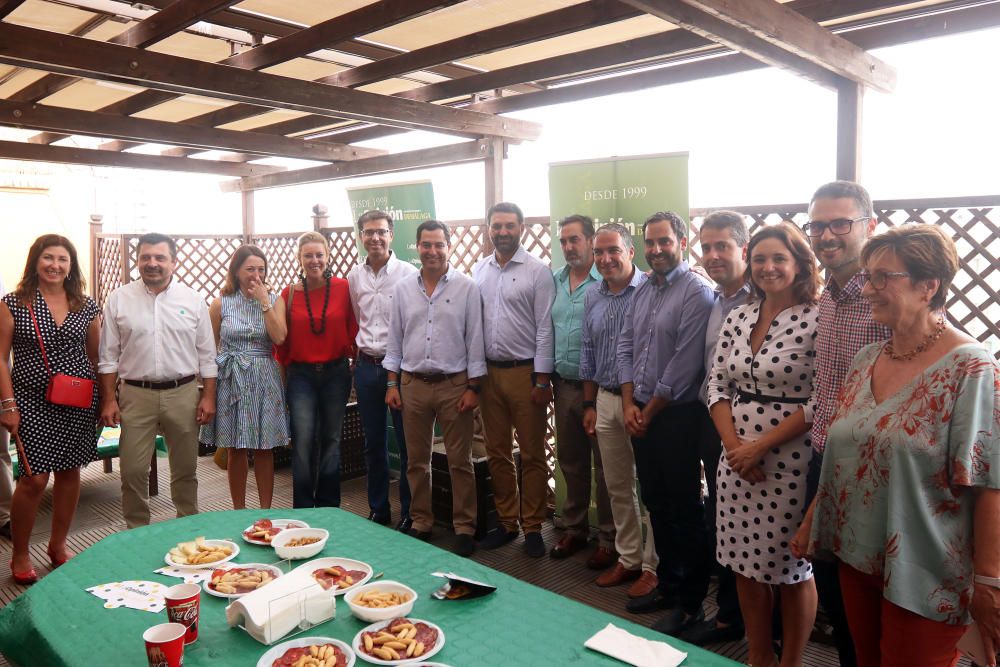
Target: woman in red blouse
<point x="321" y="331"/>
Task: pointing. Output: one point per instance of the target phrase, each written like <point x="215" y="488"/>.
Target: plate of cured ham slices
<point x="263" y="530"/>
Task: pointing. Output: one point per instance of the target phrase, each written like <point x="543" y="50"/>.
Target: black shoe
<point x="647" y="603"/>
<point x="534" y="546"/>
<point x="498" y="538"/>
<point x="5" y="530"/>
<point x="676" y="621"/>
<point x="404" y="524"/>
<point x="707" y="632"/>
<point x="463" y="545"/>
<point x="384" y="520"/>
<point x="423" y="535"/>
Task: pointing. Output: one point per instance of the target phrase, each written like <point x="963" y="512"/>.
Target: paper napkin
<point x="142" y="595"/>
<point x="189" y="576"/>
<point x="634" y="650"/>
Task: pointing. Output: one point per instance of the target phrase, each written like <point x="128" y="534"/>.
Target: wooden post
<point x="125" y="253"/>
<point x="850" y="100"/>
<point x="246" y="197"/>
<point x="493" y="173"/>
<point x="95" y="254"/>
<point x="320" y="217"/>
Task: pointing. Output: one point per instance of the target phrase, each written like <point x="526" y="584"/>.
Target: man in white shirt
<point x="372" y="283"/>
<point x="156" y="338"/>
<point x="518" y="292"/>
<point x="6" y="472"/>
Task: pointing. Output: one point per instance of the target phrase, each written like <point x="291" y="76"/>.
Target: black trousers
<point x="668" y="463"/>
<point x="828" y="582"/>
<point x="727" y="598"/>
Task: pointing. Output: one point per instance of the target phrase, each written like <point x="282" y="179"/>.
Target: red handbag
<point x="75" y="392"/>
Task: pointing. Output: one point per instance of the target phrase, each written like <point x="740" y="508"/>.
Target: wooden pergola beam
<point x="8" y="6"/>
<point x="469" y="151"/>
<point x="178" y="16"/>
<point x="14" y="150"/>
<point x="551" y="24"/>
<point x="92" y="123"/>
<point x="38" y="49"/>
<point x="776" y="35"/>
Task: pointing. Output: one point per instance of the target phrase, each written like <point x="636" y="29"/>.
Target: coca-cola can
<point x="184" y="606"/>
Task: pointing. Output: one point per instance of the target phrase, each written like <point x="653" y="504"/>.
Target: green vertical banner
<point x="620" y="189"/>
<point x="409" y="204"/>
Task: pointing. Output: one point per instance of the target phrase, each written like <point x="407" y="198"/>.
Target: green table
<point x="57" y="622"/>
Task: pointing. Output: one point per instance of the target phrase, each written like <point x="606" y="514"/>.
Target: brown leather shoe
<point x="567" y="546"/>
<point x="617" y="575"/>
<point x="644" y="585"/>
<point x="602" y="558"/>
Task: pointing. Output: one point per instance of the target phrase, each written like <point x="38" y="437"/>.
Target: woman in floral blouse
<point x="908" y="499"/>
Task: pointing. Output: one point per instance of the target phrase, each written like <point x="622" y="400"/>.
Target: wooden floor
<point x="99" y="515"/>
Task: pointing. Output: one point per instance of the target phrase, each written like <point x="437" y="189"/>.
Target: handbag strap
<point x="41" y="343"/>
<point x="22" y="456"/>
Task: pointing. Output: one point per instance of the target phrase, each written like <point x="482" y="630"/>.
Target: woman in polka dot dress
<point x="57" y="438"/>
<point x="761" y="380"/>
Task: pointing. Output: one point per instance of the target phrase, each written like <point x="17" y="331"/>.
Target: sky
<point x="761" y="137"/>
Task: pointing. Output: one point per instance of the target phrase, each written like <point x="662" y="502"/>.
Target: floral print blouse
<point x="894" y="497"/>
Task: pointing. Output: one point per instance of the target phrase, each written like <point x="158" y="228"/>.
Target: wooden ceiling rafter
<point x="8" y="6"/>
<point x="29" y="47"/>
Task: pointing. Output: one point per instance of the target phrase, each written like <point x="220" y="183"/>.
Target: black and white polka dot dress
<point x="56" y="437"/>
<point x="755" y="522"/>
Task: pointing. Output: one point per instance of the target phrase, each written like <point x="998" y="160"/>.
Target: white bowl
<point x="372" y="614"/>
<point x="305" y="551"/>
<point x="358" y="645"/>
<point x="276" y="652"/>
<point x="234" y="552"/>
<point x="275" y="572"/>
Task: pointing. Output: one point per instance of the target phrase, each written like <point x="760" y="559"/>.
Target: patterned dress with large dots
<point x="755" y="522"/>
<point x="55" y="437"/>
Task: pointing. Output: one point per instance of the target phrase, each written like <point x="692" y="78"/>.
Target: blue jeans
<point x="317" y="399"/>
<point x="369" y="384"/>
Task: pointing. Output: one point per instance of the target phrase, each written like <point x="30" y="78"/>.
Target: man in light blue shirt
<point x="660" y="364"/>
<point x="434" y="358"/>
<point x="574" y="446"/>
<point x="517" y="292"/>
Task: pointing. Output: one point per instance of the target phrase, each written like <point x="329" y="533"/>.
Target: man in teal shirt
<point x="574" y="446"/>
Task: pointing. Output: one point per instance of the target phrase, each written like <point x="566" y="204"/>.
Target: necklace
<point x="925" y="344"/>
<point x="318" y="330"/>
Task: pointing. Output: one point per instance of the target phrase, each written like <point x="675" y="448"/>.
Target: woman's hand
<point x="258" y="290"/>
<point x="799" y="545"/>
<point x="985" y="611"/>
<point x="744" y="459"/>
<point x="10" y="420"/>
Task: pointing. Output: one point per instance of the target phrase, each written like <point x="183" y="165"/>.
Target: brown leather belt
<point x="374" y="361"/>
<point x="160" y="386"/>
<point x="578" y="384"/>
<point x="617" y="391"/>
<point x="514" y="363"/>
<point x="431" y="378"/>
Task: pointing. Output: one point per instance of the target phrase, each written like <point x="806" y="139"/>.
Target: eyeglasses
<point x="840" y="226"/>
<point x="372" y="233"/>
<point x="880" y="279"/>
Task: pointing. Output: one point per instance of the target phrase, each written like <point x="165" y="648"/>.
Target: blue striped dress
<point x="250" y="412"/>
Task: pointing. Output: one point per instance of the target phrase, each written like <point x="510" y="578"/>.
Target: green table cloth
<point x="57" y="622"/>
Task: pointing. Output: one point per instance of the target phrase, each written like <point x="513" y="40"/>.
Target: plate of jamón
<point x="399" y="641"/>
<point x="309" y="652"/>
<point x="340" y="574"/>
<point x="239" y="580"/>
<point x="263" y="530"/>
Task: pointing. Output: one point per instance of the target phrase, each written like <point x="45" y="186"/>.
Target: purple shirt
<point x="661" y="348"/>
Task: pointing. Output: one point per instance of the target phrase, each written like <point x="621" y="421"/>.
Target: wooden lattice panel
<point x="537" y="239"/>
<point x="109" y="267"/>
<point x="343" y="250"/>
<point x="202" y="262"/>
<point x="282" y="260"/>
<point x="467" y="244"/>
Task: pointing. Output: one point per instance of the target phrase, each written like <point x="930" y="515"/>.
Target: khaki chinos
<point x="175" y="412"/>
<point x="425" y="402"/>
<point x="507" y="408"/>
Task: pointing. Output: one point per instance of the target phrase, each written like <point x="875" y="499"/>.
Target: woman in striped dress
<point x="248" y="319"/>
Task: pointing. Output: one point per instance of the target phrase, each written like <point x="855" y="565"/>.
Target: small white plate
<point x="277" y="523"/>
<point x="347" y="564"/>
<point x="275" y="652"/>
<point x="374" y="627"/>
<point x="242" y="566"/>
<point x="204" y="566"/>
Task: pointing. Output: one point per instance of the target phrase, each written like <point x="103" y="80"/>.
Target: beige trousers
<point x="619" y="474"/>
<point x="506" y="406"/>
<point x="423" y="404"/>
<point x="143" y="411"/>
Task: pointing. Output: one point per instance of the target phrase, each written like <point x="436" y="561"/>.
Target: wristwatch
<point x="474" y="388"/>
<point x="266" y="308"/>
<point x="539" y="385"/>
<point x="590" y="404"/>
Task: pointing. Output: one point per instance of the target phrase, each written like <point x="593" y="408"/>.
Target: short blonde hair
<point x="926" y="252"/>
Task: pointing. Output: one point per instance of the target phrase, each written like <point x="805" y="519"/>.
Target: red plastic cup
<point x="165" y="644"/>
<point x="183" y="606"/>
